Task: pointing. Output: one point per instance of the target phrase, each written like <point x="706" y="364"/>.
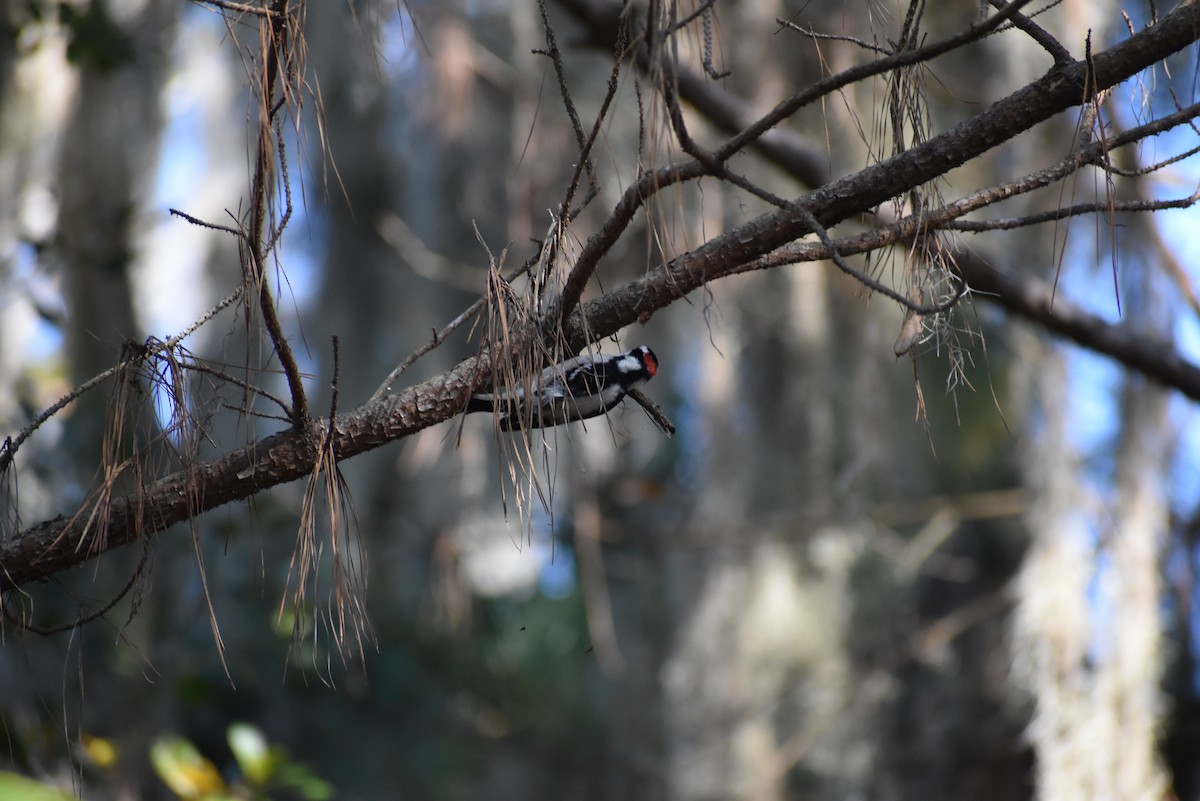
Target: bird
<point x="577" y="389"/>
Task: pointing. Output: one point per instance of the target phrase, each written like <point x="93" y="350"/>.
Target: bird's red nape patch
<point x="651" y="362"/>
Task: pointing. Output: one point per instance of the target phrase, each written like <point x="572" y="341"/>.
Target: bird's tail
<point x="481" y="402"/>
<point x="486" y="402"/>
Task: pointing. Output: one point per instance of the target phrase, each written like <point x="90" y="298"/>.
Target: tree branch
<point x="1035" y="301"/>
<point x="277" y="32"/>
<point x="859" y="193"/>
<point x="55" y="545"/>
<point x="713" y="163"/>
<point x="1062" y="88"/>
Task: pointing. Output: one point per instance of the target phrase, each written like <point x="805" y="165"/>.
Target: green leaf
<point x="14" y="787"/>
<point x="257" y="759"/>
<point x="309" y="786"/>
<point x="182" y="768"/>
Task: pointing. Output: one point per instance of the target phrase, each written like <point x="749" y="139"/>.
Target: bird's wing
<point x="588" y="379"/>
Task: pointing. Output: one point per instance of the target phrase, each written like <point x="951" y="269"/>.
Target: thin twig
<point x="573" y="287"/>
<point x="440" y="336"/>
<point x="585" y="155"/>
<point x="275" y="46"/>
<point x="138" y="571"/>
<point x="561" y="73"/>
<point x="238" y="8"/>
<point x="904" y="58"/>
<point x="1007" y="224"/>
<point x="1153" y="168"/>
<point x="200" y="367"/>
<point x="700" y="10"/>
<point x="333" y="384"/>
<point x="204" y="224"/>
<point x="833" y="37"/>
<point x="653" y="411"/>
<point x="9" y="449"/>
<point x="832" y="250"/>
<point x="1037" y="33"/>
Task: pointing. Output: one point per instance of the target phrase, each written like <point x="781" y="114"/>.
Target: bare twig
<point x="831" y="84"/>
<point x="275" y="66"/>
<point x="1037" y="33"/>
<point x="560" y="72"/>
<point x="832" y="37"/>
<point x="653" y="411"/>
<point x="239" y="8"/>
<point x="440" y="336"/>
<point x="1152" y="168"/>
<point x="558" y="308"/>
<point x="833" y="255"/>
<point x="1075" y="210"/>
<point x="205" y="224"/>
<point x="139" y="570"/>
<point x="9" y="449"/>
<point x="198" y="366"/>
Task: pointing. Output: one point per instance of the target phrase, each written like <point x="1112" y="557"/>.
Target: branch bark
<point x="55" y="545"/>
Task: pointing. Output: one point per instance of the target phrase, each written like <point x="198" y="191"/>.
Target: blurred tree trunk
<point x="35" y="95"/>
<point x="810" y="656"/>
<point x="1088" y="623"/>
<point x="1088" y="631"/>
<point x="104" y="175"/>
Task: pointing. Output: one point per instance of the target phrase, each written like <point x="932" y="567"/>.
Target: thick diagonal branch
<point x="49" y="547"/>
<point x="1062" y="88"/>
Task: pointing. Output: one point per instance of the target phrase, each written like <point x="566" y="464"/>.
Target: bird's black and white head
<point x="639" y="365"/>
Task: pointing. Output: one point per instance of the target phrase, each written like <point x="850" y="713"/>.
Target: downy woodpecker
<point x="577" y="389"/>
